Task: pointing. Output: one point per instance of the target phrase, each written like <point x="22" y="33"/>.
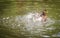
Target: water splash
<point x="35" y="27"/>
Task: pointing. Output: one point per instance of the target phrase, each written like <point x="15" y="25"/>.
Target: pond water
<point x="17" y="21"/>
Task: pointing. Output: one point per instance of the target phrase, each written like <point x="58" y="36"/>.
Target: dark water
<point x="13" y="23"/>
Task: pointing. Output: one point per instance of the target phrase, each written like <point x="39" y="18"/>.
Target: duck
<point x="40" y="17"/>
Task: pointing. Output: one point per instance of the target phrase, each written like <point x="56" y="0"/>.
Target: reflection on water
<point x="28" y="27"/>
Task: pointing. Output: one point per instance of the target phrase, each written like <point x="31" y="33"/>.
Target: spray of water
<point x="35" y="26"/>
